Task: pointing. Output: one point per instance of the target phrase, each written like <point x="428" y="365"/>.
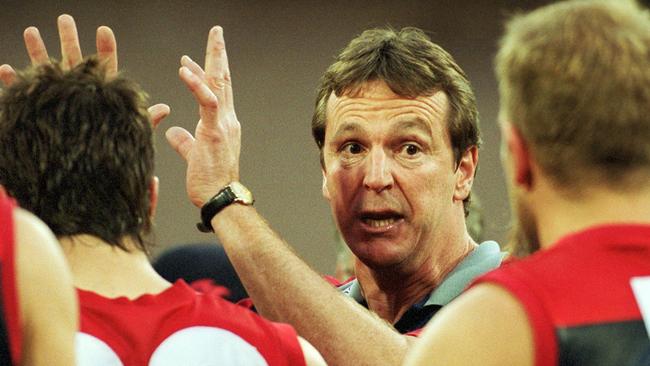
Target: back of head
<point x="574" y="78"/>
<point x="76" y="149"/>
<point x="411" y="65"/>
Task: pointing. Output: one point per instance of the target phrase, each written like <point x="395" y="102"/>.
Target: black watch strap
<point x="217" y="203"/>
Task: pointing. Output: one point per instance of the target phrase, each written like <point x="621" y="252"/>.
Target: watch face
<point x="242" y="193"/>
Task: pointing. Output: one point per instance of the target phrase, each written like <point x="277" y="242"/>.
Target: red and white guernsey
<point x="179" y="326"/>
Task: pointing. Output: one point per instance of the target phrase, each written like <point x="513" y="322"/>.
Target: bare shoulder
<point x="45" y="292"/>
<point x="33" y="236"/>
<point x="486" y="326"/>
<point x="39" y="256"/>
<point x="312" y="356"/>
<point x="41" y="266"/>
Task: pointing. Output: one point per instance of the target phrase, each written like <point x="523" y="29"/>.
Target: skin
<point x="47" y="300"/>
<point x="267" y="265"/>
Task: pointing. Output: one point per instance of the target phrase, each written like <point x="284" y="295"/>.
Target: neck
<point x="390" y="292"/>
<point x="110" y="271"/>
<point x="560" y="214"/>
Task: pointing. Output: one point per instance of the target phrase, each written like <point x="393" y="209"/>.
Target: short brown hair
<point x="76" y="149"/>
<point x="411" y="65"/>
<point x="574" y="78"/>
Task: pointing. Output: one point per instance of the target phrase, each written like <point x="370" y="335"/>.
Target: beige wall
<point x="277" y="51"/>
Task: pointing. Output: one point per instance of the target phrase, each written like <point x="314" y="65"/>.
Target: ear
<point x="519" y="155"/>
<point x="326" y="192"/>
<point x="153" y="195"/>
<point x="465" y="173"/>
<point x="3" y="192"/>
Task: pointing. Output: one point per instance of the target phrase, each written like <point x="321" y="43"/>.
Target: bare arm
<point x="484" y="326"/>
<point x="46" y="295"/>
<point x="281" y="284"/>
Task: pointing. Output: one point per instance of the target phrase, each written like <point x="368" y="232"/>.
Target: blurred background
<point x="277" y="52"/>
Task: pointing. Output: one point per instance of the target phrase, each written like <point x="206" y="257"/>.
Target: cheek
<point x="342" y="183"/>
<point x="428" y="190"/>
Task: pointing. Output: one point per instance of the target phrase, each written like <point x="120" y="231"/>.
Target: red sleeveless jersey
<point x="578" y="297"/>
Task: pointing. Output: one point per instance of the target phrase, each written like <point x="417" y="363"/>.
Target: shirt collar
<point x="484" y="258"/>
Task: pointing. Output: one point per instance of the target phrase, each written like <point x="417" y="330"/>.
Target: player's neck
<point x="558" y="215"/>
<point x="110" y="271"/>
<point x="391" y="292"/>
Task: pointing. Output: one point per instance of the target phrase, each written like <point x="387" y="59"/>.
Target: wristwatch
<point x="234" y="192"/>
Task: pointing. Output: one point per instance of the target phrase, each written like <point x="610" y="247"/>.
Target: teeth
<point x="378" y="223"/>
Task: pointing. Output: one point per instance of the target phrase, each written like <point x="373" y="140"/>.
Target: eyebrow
<point x="347" y="127"/>
<point x="412" y="124"/>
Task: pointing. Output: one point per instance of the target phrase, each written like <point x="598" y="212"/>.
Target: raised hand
<point x="70" y="49"/>
<point x="212" y="154"/>
<point x="71" y="55"/>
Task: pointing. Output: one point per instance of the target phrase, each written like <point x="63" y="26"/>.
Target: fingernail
<point x="186" y="72"/>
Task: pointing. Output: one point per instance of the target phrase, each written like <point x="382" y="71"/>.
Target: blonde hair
<point x="574" y="78"/>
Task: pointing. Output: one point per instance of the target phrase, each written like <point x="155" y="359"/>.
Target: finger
<point x="180" y="140"/>
<point x="35" y="46"/>
<point x="216" y="66"/>
<point x="107" y="49"/>
<point x="7" y="75"/>
<point x="193" y="66"/>
<point x="70" y="49"/>
<point x="206" y="98"/>
<point x="157" y="113"/>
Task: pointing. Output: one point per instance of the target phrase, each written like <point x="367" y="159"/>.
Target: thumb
<point x="180" y="140"/>
<point x="7" y="75"/>
<point x="157" y="113"/>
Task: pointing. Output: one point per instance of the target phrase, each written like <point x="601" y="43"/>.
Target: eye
<point x="352" y="148"/>
<point x="410" y="149"/>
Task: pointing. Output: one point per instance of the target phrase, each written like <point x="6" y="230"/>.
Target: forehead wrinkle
<point x="394" y="106"/>
<point x="433" y="108"/>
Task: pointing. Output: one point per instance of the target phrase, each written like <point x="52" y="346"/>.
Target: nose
<point x="378" y="176"/>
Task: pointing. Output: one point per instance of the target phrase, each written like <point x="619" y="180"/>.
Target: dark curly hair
<point x="76" y="149"/>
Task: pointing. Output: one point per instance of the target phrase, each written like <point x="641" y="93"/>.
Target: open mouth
<point x="380" y="220"/>
<point x="379" y="223"/>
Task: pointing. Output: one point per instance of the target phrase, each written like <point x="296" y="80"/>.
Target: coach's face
<point x="389" y="173"/>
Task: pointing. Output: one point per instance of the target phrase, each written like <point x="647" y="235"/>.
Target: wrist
<point x="234" y="192"/>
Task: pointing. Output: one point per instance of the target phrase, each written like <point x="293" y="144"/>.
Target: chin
<point x="377" y="256"/>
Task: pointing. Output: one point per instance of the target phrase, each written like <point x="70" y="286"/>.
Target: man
<point x="38" y="309"/>
<point x="77" y="150"/>
<point x="574" y="79"/>
<point x="396" y="123"/>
